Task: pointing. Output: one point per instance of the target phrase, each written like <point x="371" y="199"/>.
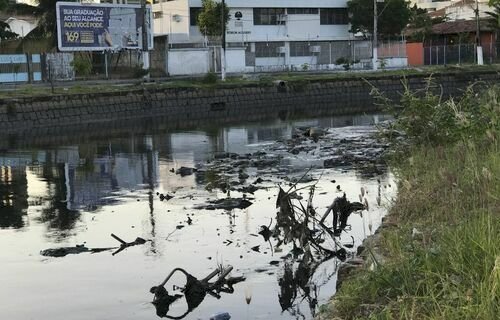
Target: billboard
<point x="98" y="27"/>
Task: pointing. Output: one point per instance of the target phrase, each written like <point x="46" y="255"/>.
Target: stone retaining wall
<point x="221" y="105"/>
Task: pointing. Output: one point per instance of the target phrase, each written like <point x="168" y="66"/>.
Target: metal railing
<point x="460" y="54"/>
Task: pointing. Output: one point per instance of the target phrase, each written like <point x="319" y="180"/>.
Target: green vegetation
<point x="442" y="255"/>
<point x="210" y="19"/>
<point x="82" y="65"/>
<point x="345" y="62"/>
<point x="303" y="78"/>
<point x="393" y="16"/>
<point x="210" y="78"/>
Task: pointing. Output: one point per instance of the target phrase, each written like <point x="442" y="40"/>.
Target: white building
<point x="22" y="25"/>
<point x="263" y="34"/>
<point x="463" y="10"/>
<point x="434" y="5"/>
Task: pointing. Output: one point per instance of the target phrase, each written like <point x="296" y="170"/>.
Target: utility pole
<point x="223" y="48"/>
<point x="145" y="38"/>
<point x="374" y="40"/>
<point x="479" y="49"/>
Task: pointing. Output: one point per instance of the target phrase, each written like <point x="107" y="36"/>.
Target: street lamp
<point x="223" y="48"/>
<point x="145" y="37"/>
<point x="479" y="48"/>
<point x="374" y="40"/>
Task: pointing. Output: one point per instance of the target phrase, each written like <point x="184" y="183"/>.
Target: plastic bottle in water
<point x="221" y="316"/>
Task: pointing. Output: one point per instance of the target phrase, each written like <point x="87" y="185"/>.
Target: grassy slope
<point x="26" y="90"/>
<point x="443" y="259"/>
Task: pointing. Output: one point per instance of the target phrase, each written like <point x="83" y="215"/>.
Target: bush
<point x="441" y="258"/>
<point x="345" y="62"/>
<point x="140" y="72"/>
<point x="425" y="118"/>
<point x="82" y="66"/>
<point x="210" y="78"/>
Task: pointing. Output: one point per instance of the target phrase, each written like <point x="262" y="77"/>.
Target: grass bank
<point x="441" y="257"/>
<point x="211" y="81"/>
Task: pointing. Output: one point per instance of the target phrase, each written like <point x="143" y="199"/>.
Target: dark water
<point x="79" y="193"/>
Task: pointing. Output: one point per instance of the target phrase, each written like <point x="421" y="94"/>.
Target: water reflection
<point x="13" y="197"/>
<point x="91" y="174"/>
<point x="75" y="194"/>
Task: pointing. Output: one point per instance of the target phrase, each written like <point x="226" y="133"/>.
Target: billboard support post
<point x="106" y="64"/>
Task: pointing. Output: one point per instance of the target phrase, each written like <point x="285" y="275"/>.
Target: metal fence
<point x="329" y="55"/>
<point x="20" y="68"/>
<point x="391" y="49"/>
<point x="460" y="54"/>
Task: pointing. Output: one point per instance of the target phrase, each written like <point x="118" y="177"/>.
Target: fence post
<point x="330" y="47"/>
<point x="444" y="54"/>
<point x="28" y="68"/>
<point x="491" y="49"/>
<point x="459" y="52"/>
<point x="106" y="65"/>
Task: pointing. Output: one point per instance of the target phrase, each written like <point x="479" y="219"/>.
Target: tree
<point x="5" y="32"/>
<point x="420" y="24"/>
<point x="210" y="17"/>
<point x="47" y="25"/>
<point x="393" y="16"/>
<point x="4" y="4"/>
<point x="494" y="16"/>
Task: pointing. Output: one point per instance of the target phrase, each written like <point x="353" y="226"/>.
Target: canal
<point x="60" y="203"/>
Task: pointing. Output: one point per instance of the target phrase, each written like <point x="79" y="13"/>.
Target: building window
<point x="268" y="16"/>
<point x="194" y="12"/>
<point x="302" y="11"/>
<point x="334" y="16"/>
<point x="269" y="49"/>
<point x="300" y="49"/>
<point x="157" y="14"/>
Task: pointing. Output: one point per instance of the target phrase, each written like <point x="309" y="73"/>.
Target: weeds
<point x="443" y="261"/>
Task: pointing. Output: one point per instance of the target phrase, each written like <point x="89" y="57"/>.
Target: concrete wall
<point x="393" y="62"/>
<point x="188" y="61"/>
<point x="235" y="60"/>
<point x="192" y="106"/>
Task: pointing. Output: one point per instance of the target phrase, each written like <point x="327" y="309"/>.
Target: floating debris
<point x="124" y="245"/>
<point x="185" y="171"/>
<point x="227" y="204"/>
<point x="194" y="290"/>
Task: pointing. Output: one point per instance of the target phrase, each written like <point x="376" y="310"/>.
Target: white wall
<point x="187" y="61"/>
<point x="432" y="6"/>
<point x="235" y="60"/>
<point x="303" y="26"/>
<point x="240" y="30"/>
<point x="298" y="27"/>
<point x="278" y="61"/>
<point x="335" y="32"/>
<point x="299" y="61"/>
<point x="279" y="3"/>
<point x="466" y="12"/>
<point x="393" y="62"/>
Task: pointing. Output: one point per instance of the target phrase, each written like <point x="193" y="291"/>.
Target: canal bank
<point x="436" y="254"/>
<point x="225" y="103"/>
